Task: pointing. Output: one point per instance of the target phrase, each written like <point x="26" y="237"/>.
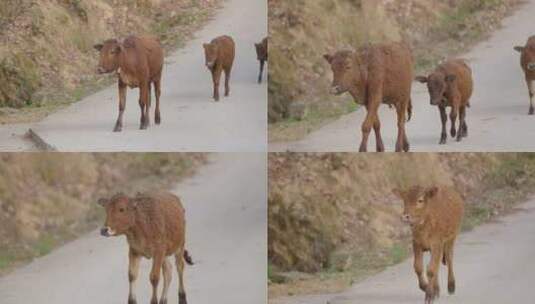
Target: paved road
<point x="493" y="265"/>
<point x="191" y="120"/>
<point x="497" y="120"/>
<point x="226" y="229"/>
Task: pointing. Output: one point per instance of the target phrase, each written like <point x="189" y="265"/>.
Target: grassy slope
<point x="47" y="199"/>
<point x="330" y="224"/>
<point x="302" y="31"/>
<point x="47" y="58"/>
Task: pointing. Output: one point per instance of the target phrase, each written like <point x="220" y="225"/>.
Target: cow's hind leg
<point x="531" y="95"/>
<point x="262" y="63"/>
<point x="378" y="139"/>
<point x="157" y="91"/>
<point x="179" y="260"/>
<point x="122" y="105"/>
<point x="453" y="118"/>
<point x="167" y="276"/>
<point x="157" y="264"/>
<point x="216" y="77"/>
<point x="133" y="271"/>
<point x="402" y="143"/>
<point x="462" y="123"/>
<point x="433" y="290"/>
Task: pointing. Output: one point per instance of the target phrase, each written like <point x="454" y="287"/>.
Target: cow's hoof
<point x="406" y="147"/>
<point x="459" y="138"/>
<point x="423" y="286"/>
<point x="453" y="132"/>
<point x="157" y="120"/>
<point x="451" y="287"/>
<point x="118" y="128"/>
<point x="531" y="111"/>
<point x="182" y="298"/>
<point x="132" y="301"/>
<point x="442" y="141"/>
<point x="163" y="301"/>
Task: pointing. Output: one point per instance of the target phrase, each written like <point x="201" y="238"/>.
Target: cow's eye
<point x="121" y="209"/>
<point x="348" y="67"/>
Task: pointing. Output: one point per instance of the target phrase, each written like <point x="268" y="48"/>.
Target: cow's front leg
<point x="216" y="77"/>
<point x="433" y="291"/>
<point x="122" y="105"/>
<point x="444" y="119"/>
<point x="133" y="271"/>
<point x="531" y="96"/>
<point x="262" y="63"/>
<point x="157" y="265"/>
<point x="144" y="102"/>
<point x="419" y="266"/>
<point x="453" y="118"/>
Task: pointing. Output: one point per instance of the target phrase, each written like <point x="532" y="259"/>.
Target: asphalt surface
<point x="226" y="224"/>
<point x="497" y="119"/>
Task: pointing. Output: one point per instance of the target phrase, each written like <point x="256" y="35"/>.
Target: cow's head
<point x="415" y="202"/>
<point x="109" y="56"/>
<point x="210" y="54"/>
<point x="437" y="84"/>
<point x="342" y="65"/>
<point x="261" y="51"/>
<point x="528" y="52"/>
<point x="120" y="215"/>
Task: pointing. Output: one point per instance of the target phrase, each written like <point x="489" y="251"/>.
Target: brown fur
<point x="139" y="63"/>
<point x="219" y="55"/>
<point x="451" y="85"/>
<point x="262" y="56"/>
<point x="373" y="75"/>
<point x="435" y="215"/>
<point x="527" y="62"/>
<point x="154" y="226"/>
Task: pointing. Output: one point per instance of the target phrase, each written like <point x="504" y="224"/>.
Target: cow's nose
<point x="335" y="89"/>
<point x="531" y="66"/>
<point x="405" y="217"/>
<point x="104" y="231"/>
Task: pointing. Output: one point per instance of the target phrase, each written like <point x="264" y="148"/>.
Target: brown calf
<point x="219" y="55"/>
<point x="527" y="62"/>
<point x="262" y="56"/>
<point x="435" y="215"/>
<point x="154" y="226"/>
<point x="138" y="62"/>
<point x="451" y="85"/>
<point x="373" y="75"/>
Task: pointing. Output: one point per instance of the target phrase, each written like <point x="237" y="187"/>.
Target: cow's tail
<point x="187" y="258"/>
<point x="409" y="110"/>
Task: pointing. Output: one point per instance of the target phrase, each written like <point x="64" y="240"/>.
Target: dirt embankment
<point x="46" y="47"/>
<point x="49" y="198"/>
<point x="333" y="218"/>
<point x="302" y="31"/>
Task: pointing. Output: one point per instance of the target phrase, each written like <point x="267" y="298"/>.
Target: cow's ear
<point x="422" y="79"/>
<point x="103" y="202"/>
<point x="117" y="49"/>
<point x="98" y="47"/>
<point x="431" y="191"/>
<point x="451" y="78"/>
<point x="519" y="49"/>
<point x="328" y="57"/>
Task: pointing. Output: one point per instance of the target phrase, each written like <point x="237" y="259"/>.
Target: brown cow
<point x="435" y="215"/>
<point x="154" y="226"/>
<point x="262" y="56"/>
<point x="376" y="74"/>
<point x="527" y="62"/>
<point x="451" y="85"/>
<point x="219" y="55"/>
<point x="138" y="62"/>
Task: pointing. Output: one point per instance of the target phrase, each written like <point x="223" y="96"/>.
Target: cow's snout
<point x="336" y="90"/>
<point x="531" y="66"/>
<point x="209" y="65"/>
<point x="106" y="231"/>
<point x="406" y="218"/>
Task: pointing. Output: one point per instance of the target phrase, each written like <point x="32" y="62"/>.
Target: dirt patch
<point x="47" y="58"/>
<point x="332" y="219"/>
<point x="47" y="199"/>
<point x="302" y="31"/>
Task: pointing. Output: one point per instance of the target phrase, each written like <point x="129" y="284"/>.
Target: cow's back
<point x="463" y="72"/>
<point x="145" y="52"/>
<point x="445" y="213"/>
<point x="226" y="51"/>
<point x="392" y="66"/>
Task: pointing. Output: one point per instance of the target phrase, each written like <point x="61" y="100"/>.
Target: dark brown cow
<point x="219" y="55"/>
<point x="138" y="62"/>
<point x="376" y="74"/>
<point x="527" y="62"/>
<point x="451" y="85"/>
<point x="435" y="215"/>
<point x="262" y="56"/>
<point x="154" y="226"/>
